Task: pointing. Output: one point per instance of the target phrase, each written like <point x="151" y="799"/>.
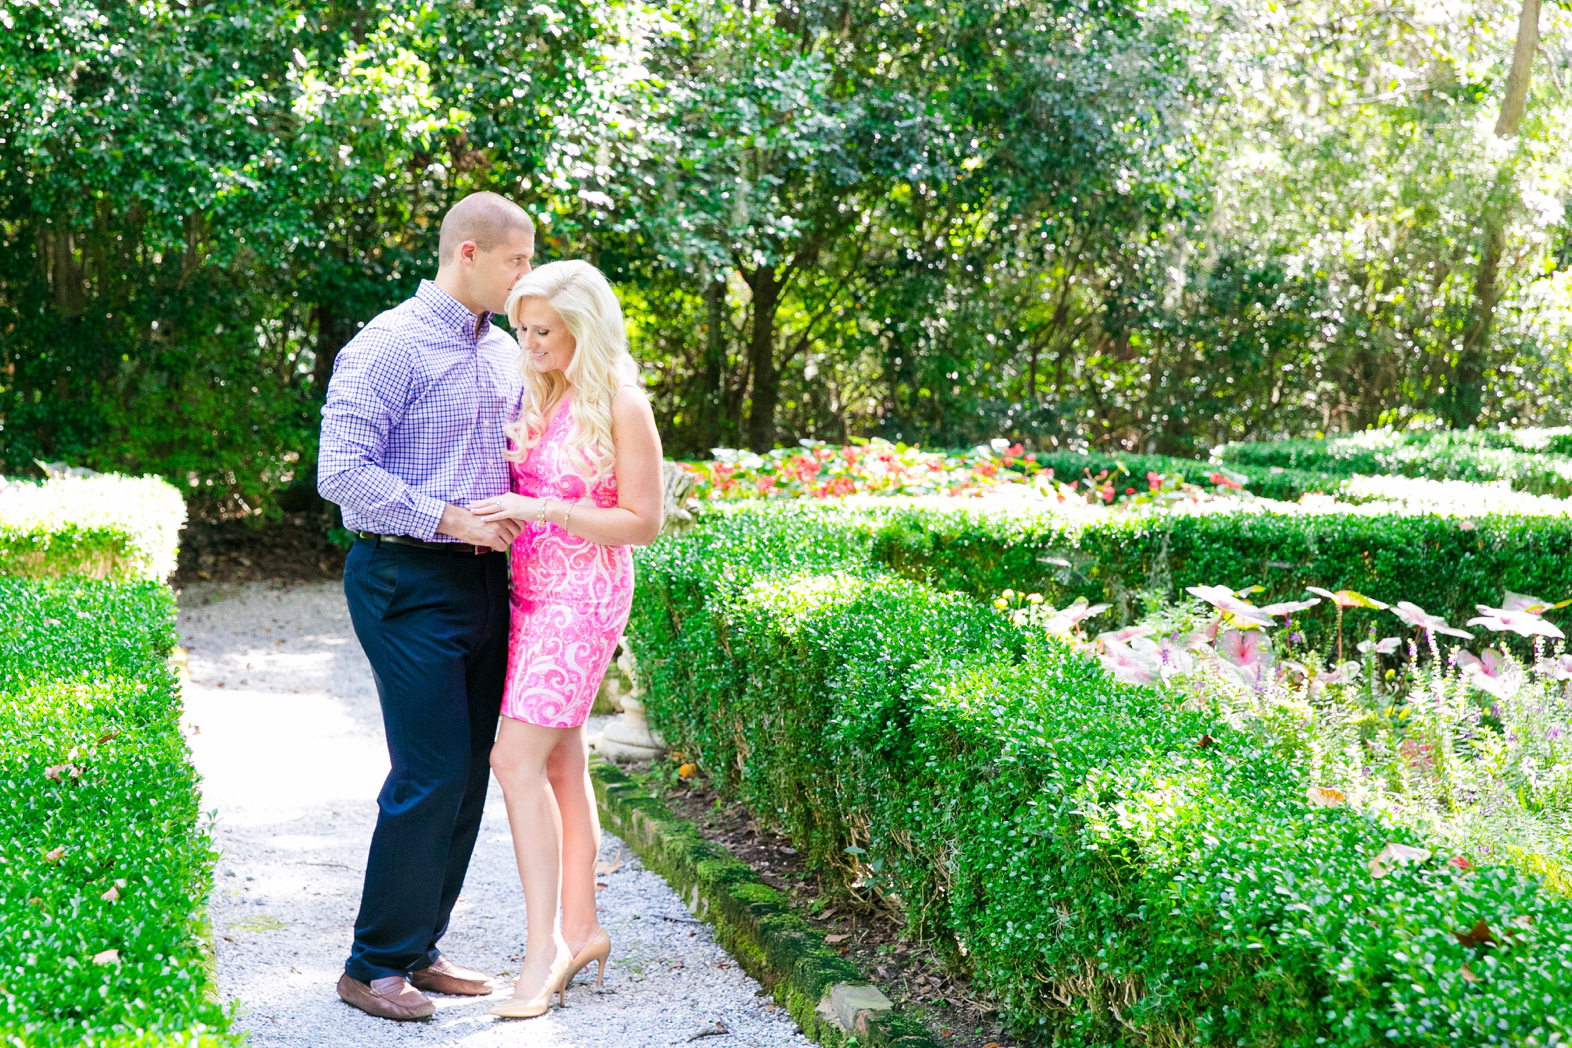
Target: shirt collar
<point x="451" y="313"/>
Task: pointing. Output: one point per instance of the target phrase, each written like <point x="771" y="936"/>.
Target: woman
<point x="586" y="485"/>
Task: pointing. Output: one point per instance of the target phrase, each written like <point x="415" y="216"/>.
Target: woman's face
<point x="543" y="336"/>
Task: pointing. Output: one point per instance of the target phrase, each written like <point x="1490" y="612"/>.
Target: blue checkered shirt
<point x="414" y="416"/>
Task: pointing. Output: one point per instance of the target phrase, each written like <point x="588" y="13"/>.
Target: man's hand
<point x="461" y="524"/>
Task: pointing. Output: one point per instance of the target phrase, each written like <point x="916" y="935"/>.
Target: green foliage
<point x="1444" y="563"/>
<point x="199" y="204"/>
<point x="100" y="798"/>
<point x="106" y="526"/>
<point x="1113" y="866"/>
<point x="1537" y="461"/>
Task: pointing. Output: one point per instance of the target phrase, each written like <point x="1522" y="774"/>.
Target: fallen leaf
<point x="112" y="895"/>
<point x="54" y="855"/>
<point x="713" y="1029"/>
<point x="297" y="971"/>
<point x="721" y="964"/>
<point x="1459" y="863"/>
<point x="108" y="738"/>
<point x="1470" y="977"/>
<point x="827" y="914"/>
<point x="600" y="885"/>
<point x="1479" y="935"/>
<point x="107" y="957"/>
<point x="53" y="772"/>
<point x="609" y="867"/>
<point x="1394" y="855"/>
<point x="837" y="938"/>
<point x="1323" y="797"/>
<point x="991" y="1044"/>
<point x="687" y="771"/>
<point x="1204" y="741"/>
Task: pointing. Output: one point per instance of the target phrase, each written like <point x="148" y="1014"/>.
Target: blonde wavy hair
<point x="601" y="364"/>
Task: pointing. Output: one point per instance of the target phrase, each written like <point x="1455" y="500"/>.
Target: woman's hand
<point x="506" y="507"/>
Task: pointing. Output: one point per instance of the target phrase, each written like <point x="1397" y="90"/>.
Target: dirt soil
<point x="294" y="548"/>
<point x="909" y="972"/>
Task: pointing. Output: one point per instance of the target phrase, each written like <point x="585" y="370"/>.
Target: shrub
<point x="1444" y="562"/>
<point x="105" y="526"/>
<point x="1112" y="866"/>
<point x="99" y="832"/>
<point x="1537" y="461"/>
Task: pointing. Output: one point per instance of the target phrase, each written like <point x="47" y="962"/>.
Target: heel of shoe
<point x="600" y="971"/>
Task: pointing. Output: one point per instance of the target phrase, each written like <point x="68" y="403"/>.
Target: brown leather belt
<point x="465" y="548"/>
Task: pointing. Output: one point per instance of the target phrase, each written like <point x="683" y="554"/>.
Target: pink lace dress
<point x="569" y="596"/>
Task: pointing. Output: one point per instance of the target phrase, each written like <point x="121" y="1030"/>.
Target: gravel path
<point x="284" y="726"/>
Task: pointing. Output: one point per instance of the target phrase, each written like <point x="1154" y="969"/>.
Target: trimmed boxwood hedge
<point x="1536" y="461"/>
<point x="104" y="526"/>
<point x="99" y="795"/>
<point x="1110" y="866"/>
<point x="1445" y="564"/>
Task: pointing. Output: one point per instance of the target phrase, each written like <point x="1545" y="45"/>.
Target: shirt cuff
<point x="428" y="515"/>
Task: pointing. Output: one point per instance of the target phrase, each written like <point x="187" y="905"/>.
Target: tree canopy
<point x="1152" y="226"/>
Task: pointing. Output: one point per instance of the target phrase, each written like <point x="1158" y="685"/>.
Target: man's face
<point x="496" y="271"/>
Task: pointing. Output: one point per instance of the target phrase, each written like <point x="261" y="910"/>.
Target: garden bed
<point x="1107" y="863"/>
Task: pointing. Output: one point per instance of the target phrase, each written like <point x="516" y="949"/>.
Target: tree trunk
<point x="1465" y="398"/>
<point x="766" y="286"/>
<point x="1516" y="97"/>
<point x="711" y="399"/>
<point x="334" y="331"/>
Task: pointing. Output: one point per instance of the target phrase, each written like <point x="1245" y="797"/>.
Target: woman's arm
<point x="636" y="518"/>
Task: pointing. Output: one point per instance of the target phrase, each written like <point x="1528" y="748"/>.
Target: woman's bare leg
<point x="568" y="770"/>
<point x="519" y="758"/>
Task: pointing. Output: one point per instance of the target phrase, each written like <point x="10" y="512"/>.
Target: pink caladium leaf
<point x="1223" y="599"/>
<point x="1244" y="648"/>
<point x="1125" y="635"/>
<point x="1130" y="665"/>
<point x="1384" y="646"/>
<point x="1344" y="674"/>
<point x="1523" y="623"/>
<point x="1290" y="607"/>
<point x="1490" y="672"/>
<point x="1555" y="669"/>
<point x="1071" y="617"/>
<point x="1348" y="598"/>
<point x="1421" y="619"/>
<point x="1532" y="605"/>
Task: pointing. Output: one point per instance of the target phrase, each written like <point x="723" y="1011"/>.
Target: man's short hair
<point x="485" y="218"/>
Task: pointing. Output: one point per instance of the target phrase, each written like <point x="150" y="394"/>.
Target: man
<point x="412" y="433"/>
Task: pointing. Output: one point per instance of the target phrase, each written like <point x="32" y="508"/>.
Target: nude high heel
<point x="522" y="1008"/>
<point x="597" y="949"/>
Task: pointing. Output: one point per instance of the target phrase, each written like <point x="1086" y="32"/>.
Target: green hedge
<point x="104" y="527"/>
<point x="1537" y="461"/>
<point x="1112" y="868"/>
<point x="1443" y="563"/>
<point x="99" y="794"/>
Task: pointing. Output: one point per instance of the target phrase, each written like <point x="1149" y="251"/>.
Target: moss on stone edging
<point x="752" y="921"/>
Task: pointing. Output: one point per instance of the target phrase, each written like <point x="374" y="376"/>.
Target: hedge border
<point x="753" y="921"/>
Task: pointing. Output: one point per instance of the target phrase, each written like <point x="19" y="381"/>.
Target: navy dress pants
<point x="434" y="626"/>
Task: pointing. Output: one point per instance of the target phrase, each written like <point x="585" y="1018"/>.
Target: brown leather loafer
<point x="447" y="977"/>
<point x="390" y="997"/>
